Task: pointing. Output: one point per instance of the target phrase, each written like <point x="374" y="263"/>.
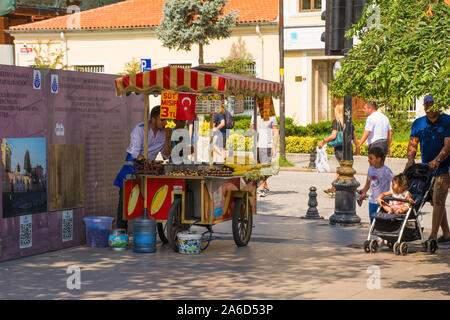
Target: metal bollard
<point x="312" y="212"/>
<point x="312" y="158"/>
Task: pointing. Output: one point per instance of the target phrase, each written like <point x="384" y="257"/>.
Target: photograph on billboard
<point x="24" y="176"/>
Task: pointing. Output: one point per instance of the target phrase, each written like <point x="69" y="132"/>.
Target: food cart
<point x="179" y="196"/>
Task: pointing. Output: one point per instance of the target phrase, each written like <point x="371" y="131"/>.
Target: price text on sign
<point x="239" y="105"/>
<point x="169" y="105"/>
<point x="209" y="103"/>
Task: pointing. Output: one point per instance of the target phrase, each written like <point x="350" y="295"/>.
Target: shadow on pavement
<point x="432" y="283"/>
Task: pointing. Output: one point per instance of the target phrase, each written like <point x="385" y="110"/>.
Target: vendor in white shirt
<point x="158" y="141"/>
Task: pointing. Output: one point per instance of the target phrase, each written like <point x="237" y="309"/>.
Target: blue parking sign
<point x="146" y="64"/>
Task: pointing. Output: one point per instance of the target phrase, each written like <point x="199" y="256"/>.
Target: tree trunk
<point x="200" y="54"/>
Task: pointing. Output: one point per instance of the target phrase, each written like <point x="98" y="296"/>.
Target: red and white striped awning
<point x="188" y="80"/>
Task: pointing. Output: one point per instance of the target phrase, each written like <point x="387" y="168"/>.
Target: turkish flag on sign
<point x="186" y="106"/>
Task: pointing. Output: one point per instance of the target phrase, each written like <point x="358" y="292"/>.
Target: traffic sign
<point x="146" y="65"/>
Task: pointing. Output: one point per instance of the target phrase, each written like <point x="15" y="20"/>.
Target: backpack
<point x="229" y="121"/>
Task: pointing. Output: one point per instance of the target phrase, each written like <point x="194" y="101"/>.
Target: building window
<point x="309" y="5"/>
<point x="412" y="110"/>
<point x="251" y="68"/>
<point x="249" y="103"/>
<point x="90" y="68"/>
<point x="181" y="65"/>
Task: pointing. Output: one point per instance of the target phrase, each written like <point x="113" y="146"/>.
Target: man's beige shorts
<point x="440" y="189"/>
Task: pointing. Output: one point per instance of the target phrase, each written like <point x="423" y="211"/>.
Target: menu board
<point x="209" y="103"/>
<point x="239" y="104"/>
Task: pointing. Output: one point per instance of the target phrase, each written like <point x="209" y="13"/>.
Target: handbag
<point x="337" y="142"/>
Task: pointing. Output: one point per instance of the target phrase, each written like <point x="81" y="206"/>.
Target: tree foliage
<point x="235" y="65"/>
<point x="188" y="22"/>
<point x="132" y="67"/>
<point x="46" y="57"/>
<point x="401" y="56"/>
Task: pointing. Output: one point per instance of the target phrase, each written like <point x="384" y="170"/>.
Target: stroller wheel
<point x="367" y="246"/>
<point x="373" y="246"/>
<point x="404" y="248"/>
<point x="396" y="248"/>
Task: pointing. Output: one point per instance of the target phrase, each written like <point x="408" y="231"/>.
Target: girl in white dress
<point x="398" y="190"/>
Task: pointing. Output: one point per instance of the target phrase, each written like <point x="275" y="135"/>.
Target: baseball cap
<point x="428" y="98"/>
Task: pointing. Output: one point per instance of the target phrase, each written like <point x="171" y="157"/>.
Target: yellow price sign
<point x="169" y="102"/>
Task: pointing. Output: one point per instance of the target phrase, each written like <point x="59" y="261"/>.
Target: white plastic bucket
<point x="189" y="242"/>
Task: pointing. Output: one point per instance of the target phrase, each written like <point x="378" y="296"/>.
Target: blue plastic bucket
<point x="97" y="231"/>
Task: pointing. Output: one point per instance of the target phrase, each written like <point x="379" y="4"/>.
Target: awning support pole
<point x="146" y="103"/>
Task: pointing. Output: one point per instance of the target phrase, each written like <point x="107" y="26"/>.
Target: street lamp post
<point x="282" y="98"/>
<point x="346" y="184"/>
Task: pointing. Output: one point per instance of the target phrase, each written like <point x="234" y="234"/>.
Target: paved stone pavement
<point x="287" y="258"/>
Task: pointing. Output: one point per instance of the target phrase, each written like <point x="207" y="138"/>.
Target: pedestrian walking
<point x="432" y="131"/>
<point x="220" y="137"/>
<point x="337" y="128"/>
<point x="267" y="142"/>
<point x="377" y="131"/>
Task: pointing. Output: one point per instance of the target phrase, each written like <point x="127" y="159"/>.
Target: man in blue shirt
<point x="433" y="133"/>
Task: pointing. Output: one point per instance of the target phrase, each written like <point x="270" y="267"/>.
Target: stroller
<point x="398" y="229"/>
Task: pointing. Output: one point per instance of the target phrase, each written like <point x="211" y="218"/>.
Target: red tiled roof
<point x="147" y="13"/>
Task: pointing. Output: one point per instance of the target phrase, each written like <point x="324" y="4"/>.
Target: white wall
<point x="7" y="54"/>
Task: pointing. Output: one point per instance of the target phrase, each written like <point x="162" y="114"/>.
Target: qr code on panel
<point x="67" y="225"/>
<point x="26" y="232"/>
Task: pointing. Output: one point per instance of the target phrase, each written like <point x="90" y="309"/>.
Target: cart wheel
<point x="404" y="248"/>
<point x="396" y="248"/>
<point x="242" y="222"/>
<point x="162" y="229"/>
<point x="206" y="239"/>
<point x="373" y="246"/>
<point x="367" y="246"/>
<point x="174" y="225"/>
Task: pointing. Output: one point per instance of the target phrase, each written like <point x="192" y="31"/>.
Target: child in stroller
<point x="398" y="190"/>
<point x="398" y="229"/>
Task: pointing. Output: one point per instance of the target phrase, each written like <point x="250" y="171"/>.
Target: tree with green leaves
<point x="188" y="22"/>
<point x="235" y="65"/>
<point x="47" y="57"/>
<point x="132" y="67"/>
<point x="403" y="54"/>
